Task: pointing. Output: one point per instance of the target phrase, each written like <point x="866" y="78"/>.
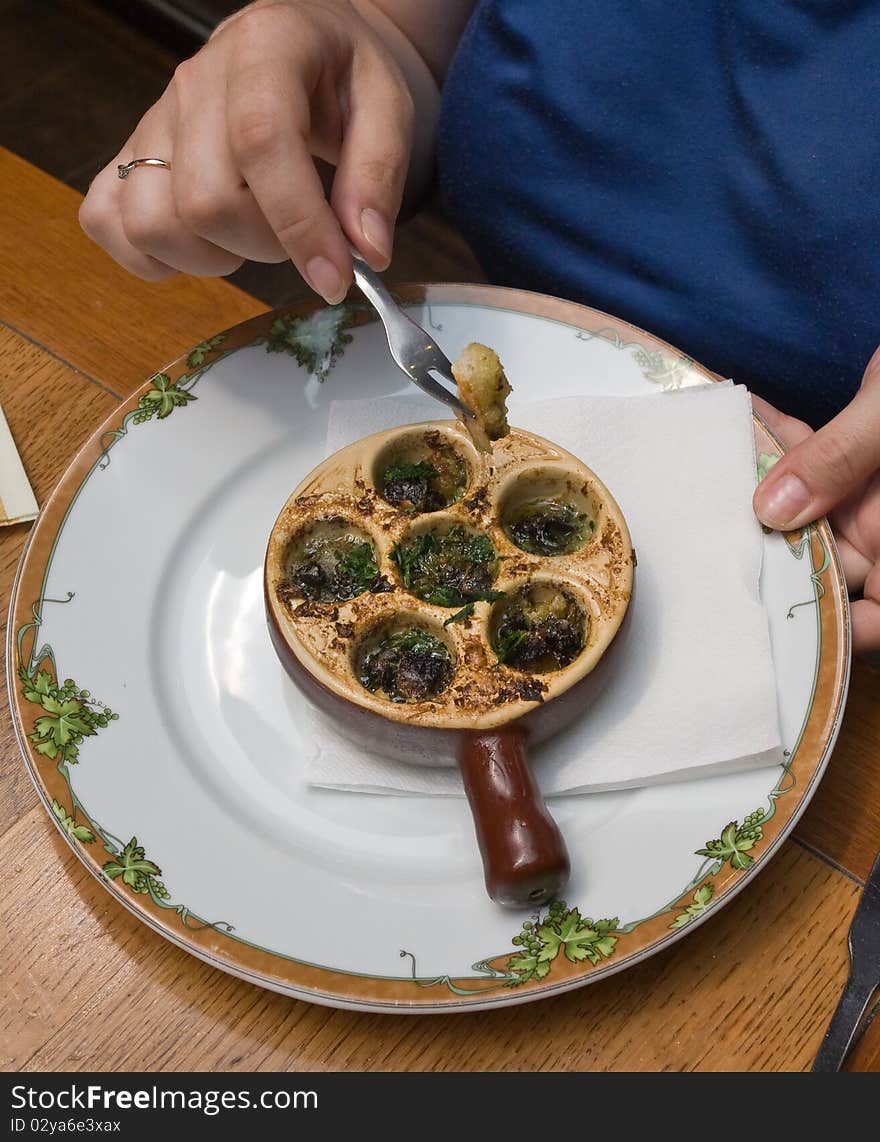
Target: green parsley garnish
<point x="448" y="567"/>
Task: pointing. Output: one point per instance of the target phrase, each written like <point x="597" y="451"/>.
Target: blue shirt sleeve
<point x="708" y="171"/>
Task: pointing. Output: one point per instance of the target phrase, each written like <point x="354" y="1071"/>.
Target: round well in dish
<point x="331" y="561"/>
<point x="404" y="661"/>
<point x="423" y="471"/>
<point x="548" y="527"/>
<point x="548" y="511"/>
<point x="447" y="564"/>
<point x="539" y="627"/>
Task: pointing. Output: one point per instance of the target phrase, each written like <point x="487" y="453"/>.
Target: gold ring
<point x="123" y="170"/>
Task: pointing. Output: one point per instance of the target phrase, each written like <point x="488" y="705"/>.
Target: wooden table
<point x="752" y="989"/>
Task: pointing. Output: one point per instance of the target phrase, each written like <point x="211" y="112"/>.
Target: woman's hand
<point x="834" y="471"/>
<point x="276" y="86"/>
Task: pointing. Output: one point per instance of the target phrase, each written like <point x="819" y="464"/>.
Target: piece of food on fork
<point x="484" y="388"/>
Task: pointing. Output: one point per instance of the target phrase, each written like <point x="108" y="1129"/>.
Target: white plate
<point x="142" y="584"/>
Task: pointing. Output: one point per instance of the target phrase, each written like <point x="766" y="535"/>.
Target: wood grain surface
<point x="751" y="990"/>
<point x="843" y="820"/>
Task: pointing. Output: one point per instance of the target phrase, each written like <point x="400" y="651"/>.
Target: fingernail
<point x="377" y="232"/>
<point x="783" y="502"/>
<point x="325" y="279"/>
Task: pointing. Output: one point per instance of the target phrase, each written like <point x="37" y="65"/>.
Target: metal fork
<point x="411" y="346"/>
<point x="849" y="1020"/>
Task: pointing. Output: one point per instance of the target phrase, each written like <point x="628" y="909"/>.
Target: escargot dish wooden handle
<point x="524" y="856"/>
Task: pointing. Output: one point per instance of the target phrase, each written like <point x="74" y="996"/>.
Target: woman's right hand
<point x="276" y="86"/>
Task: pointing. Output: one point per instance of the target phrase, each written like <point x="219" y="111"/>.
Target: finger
<point x="149" y="216"/>
<point x="210" y="196"/>
<point x="791" y="432"/>
<point x="872" y="372"/>
<point x="373" y="162"/>
<point x="100" y="218"/>
<point x="856" y="566"/>
<point x="269" y="122"/>
<point x="865" y="615"/>
<point x="825" y="468"/>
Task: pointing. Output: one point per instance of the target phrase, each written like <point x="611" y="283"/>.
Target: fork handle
<point x="373" y="288"/>
<point x="846" y="1022"/>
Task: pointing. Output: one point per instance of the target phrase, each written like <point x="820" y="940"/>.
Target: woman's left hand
<point x="835" y="472"/>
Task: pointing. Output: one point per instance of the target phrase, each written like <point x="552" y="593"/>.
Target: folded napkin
<point x="692" y="692"/>
<point x="17" y="502"/>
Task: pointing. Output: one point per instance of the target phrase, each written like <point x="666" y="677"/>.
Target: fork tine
<point x="412" y="347"/>
<point x="437" y="360"/>
<point x="434" y="389"/>
<point x="445" y="373"/>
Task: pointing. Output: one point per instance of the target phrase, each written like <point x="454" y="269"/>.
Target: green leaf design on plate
<point x="136" y="871"/>
<point x="766" y="460"/>
<point x="68" y="715"/>
<point x="40" y="686"/>
<point x="197" y="356"/>
<point x="563" y="930"/>
<point x="162" y="399"/>
<point x="735" y="841"/>
<point x="316" y="341"/>
<point x="700" y="903"/>
<point x="659" y="367"/>
<point x="69" y="825"/>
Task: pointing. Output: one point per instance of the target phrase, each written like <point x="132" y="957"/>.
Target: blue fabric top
<point x="709" y="171"/>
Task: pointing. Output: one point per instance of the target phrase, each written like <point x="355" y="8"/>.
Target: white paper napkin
<point x="692" y="692"/>
<point x="17" y="503"/>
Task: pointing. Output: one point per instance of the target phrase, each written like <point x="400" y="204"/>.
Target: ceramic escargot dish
<point x="445" y="598"/>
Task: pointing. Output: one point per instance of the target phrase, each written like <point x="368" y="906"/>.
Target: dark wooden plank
<point x="843" y="819"/>
<point x="39" y="39"/>
<point x="80" y="177"/>
<point x="865" y="1055"/>
<point x="81" y="110"/>
<point x="181" y="25"/>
